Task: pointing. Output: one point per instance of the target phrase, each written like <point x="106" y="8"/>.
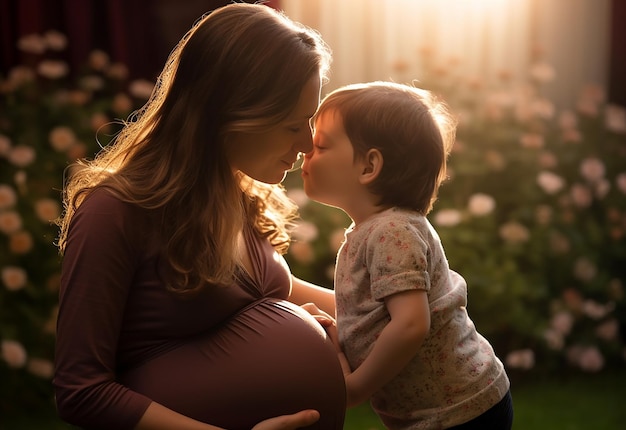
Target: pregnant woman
<point x="176" y="307"/>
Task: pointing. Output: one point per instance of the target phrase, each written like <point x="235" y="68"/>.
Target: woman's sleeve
<point x="97" y="272"/>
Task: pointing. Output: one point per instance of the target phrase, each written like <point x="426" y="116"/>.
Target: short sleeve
<point x="397" y="258"/>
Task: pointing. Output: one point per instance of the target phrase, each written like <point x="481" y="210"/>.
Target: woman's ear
<point x="372" y="165"/>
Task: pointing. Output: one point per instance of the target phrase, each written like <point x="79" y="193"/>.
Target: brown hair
<point x="409" y="126"/>
<point x="240" y="68"/>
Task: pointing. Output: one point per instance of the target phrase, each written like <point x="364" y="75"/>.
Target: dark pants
<point x="499" y="417"/>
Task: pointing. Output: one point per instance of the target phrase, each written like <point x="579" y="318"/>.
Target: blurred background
<point x="533" y="215"/>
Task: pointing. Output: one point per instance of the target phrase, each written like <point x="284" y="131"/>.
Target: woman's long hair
<point x="240" y="68"/>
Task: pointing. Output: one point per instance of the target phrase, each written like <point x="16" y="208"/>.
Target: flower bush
<point x="533" y="216"/>
<point x="49" y="117"/>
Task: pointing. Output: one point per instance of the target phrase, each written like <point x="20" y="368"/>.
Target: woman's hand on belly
<point x="158" y="417"/>
<point x="289" y="422"/>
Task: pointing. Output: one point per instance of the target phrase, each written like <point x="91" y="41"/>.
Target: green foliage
<point x="47" y="119"/>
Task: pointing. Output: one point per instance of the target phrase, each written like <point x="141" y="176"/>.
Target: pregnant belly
<point x="271" y="359"/>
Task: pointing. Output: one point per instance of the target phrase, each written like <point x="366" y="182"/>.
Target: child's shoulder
<point x="398" y="219"/>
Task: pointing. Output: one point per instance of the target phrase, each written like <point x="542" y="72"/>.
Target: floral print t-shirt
<point x="455" y="376"/>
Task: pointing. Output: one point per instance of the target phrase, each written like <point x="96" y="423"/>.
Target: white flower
<point x="336" y="239"/>
<point x="447" y="217"/>
<point x="40" y="367"/>
<point x="32" y="44"/>
<point x="298" y="196"/>
<point x="587" y="107"/>
<point x="10" y="222"/>
<point x="305" y="231"/>
<point x="122" y="104"/>
<point x="543" y="108"/>
<point x="98" y="60"/>
<point x="99" y="120"/>
<point x="55" y="40"/>
<point x="592" y="169"/>
<point x="5" y="145"/>
<point x="117" y="71"/>
<point x="602" y="188"/>
<point x="141" y="88"/>
<point x="62" y="138"/>
<point x="47" y="209"/>
<point x="21" y="242"/>
<point x="302" y="252"/>
<point x="13" y="353"/>
<point x="615" y="118"/>
<point x="568" y="120"/>
<point x="554" y="339"/>
<point x="521" y="359"/>
<point x="20" y="75"/>
<point x="584" y="269"/>
<point x="597" y="311"/>
<point x="22" y="156"/>
<point x="8" y="197"/>
<point x="91" y="83"/>
<point x="481" y="204"/>
<point x="548" y="160"/>
<point x="593" y="93"/>
<point x="581" y="195"/>
<point x="532" y="140"/>
<point x="52" y="69"/>
<point x="542" y="72"/>
<point x="550" y="182"/>
<point x="20" y="179"/>
<point x="14" y="278"/>
<point x="514" y="232"/>
<point x="562" y="322"/>
<point x="543" y="214"/>
<point x="588" y="358"/>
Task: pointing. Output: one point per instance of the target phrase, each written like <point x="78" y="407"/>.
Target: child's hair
<point x="409" y="126"/>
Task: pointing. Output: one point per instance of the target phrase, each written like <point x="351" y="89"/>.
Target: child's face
<point x="329" y="171"/>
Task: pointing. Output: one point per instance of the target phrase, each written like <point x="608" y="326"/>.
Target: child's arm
<point x="397" y="344"/>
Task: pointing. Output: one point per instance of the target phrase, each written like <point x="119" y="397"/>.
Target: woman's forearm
<point x="305" y="292"/>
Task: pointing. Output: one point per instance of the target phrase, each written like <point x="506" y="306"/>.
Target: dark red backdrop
<point x="139" y="33"/>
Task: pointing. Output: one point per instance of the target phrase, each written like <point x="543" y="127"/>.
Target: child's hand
<point x="322" y="317"/>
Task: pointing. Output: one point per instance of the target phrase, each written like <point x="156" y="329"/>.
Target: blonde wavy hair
<point x="239" y="68"/>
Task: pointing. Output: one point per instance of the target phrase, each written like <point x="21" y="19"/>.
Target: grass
<point x="575" y="402"/>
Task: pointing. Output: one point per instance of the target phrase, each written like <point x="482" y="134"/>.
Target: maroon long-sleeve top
<point x="124" y="341"/>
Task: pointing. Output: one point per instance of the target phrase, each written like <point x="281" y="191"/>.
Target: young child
<point x="380" y="154"/>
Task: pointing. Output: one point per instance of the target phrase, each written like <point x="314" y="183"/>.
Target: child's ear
<point x="372" y="165"/>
